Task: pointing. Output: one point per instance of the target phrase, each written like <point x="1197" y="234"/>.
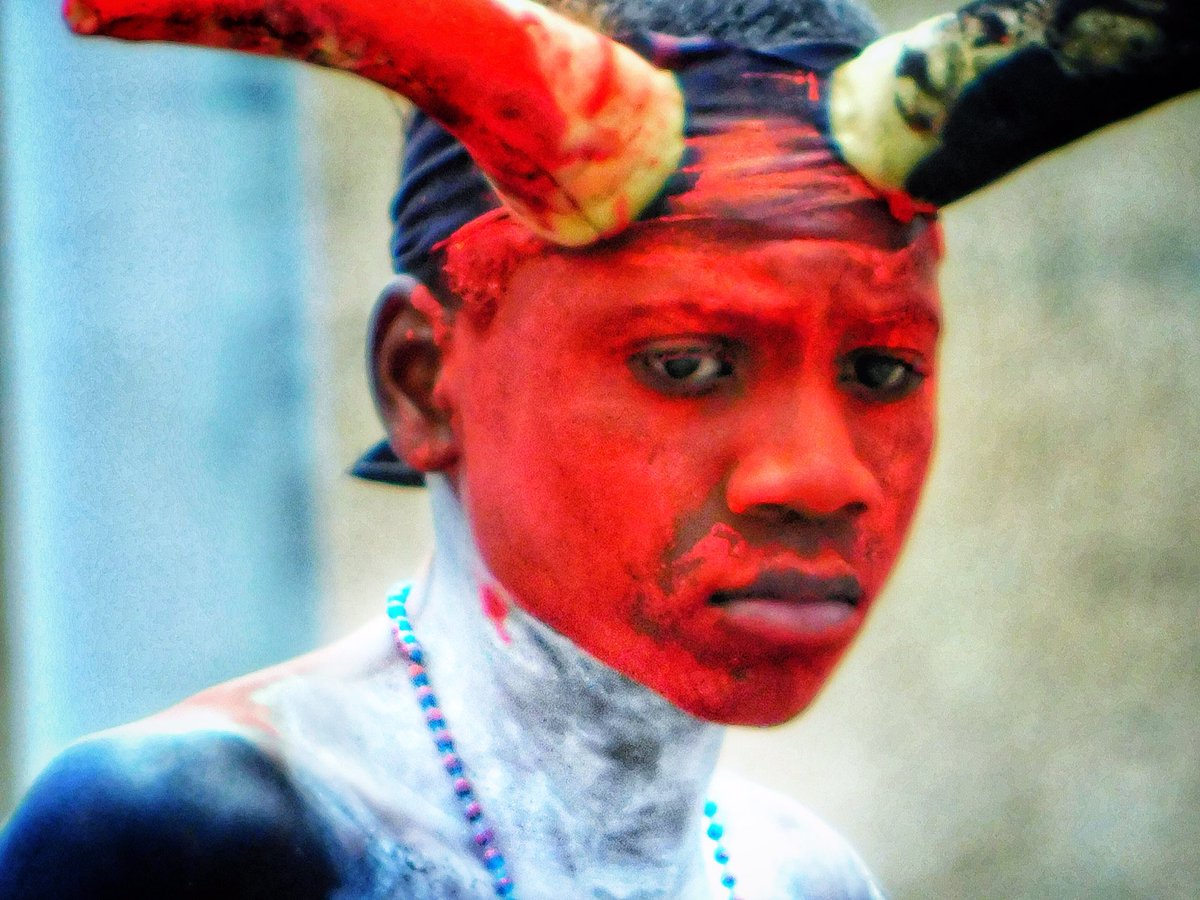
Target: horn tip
<point x="81" y="17"/>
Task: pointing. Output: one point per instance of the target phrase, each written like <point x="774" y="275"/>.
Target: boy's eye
<point x="688" y="369"/>
<point x="879" y="375"/>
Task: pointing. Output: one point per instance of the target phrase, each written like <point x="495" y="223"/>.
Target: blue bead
<point x="710" y="808"/>
<point x="715" y="831"/>
<point x="409" y="638"/>
<point x="505" y="890"/>
<point x="445" y="746"/>
<point x="722" y="855"/>
<point x="428" y="702"/>
<point x="496" y="862"/>
<point x="421" y="680"/>
<point x="728" y="880"/>
<point x="416" y="654"/>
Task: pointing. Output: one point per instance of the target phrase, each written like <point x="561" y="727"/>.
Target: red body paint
<point x="495" y="607"/>
<point x="707" y="544"/>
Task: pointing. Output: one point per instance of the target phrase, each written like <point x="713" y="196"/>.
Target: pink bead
<point x="424" y="691"/>
<point x="433" y="714"/>
<point x="415" y="669"/>
<point x="490" y="853"/>
<point x="484" y="837"/>
<point x="462" y="786"/>
<point x="473" y="810"/>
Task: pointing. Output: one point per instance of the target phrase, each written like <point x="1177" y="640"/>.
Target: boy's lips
<point x="791" y="606"/>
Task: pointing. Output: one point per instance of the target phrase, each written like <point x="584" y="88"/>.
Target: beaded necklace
<point x="483" y="835"/>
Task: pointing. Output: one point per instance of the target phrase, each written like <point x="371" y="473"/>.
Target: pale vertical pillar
<point x="157" y="421"/>
<point x="6" y="666"/>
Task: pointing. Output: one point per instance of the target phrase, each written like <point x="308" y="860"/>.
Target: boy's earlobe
<point x="407" y="333"/>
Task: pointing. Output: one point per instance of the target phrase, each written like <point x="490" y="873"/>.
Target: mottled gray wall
<point x="374" y="535"/>
<point x="1022" y="718"/>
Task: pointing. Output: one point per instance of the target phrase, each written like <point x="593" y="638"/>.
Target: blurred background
<point x="190" y="244"/>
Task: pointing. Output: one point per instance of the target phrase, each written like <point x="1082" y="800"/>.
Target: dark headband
<point x="797" y="185"/>
<point x="724" y="86"/>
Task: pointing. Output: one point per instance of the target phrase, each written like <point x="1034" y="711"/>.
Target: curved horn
<point x="576" y="131"/>
<point x="965" y="98"/>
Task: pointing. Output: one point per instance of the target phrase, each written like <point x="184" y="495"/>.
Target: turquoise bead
<point x="484" y="835"/>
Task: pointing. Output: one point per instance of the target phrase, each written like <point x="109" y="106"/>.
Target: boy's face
<point x="698" y="457"/>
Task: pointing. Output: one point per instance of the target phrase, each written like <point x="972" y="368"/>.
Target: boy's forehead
<point x="494" y="265"/>
<point x="556" y="312"/>
<point x="704" y="266"/>
<point x="778" y="251"/>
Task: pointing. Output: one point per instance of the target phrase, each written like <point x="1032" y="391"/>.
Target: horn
<point x="577" y="133"/>
<point x="961" y="100"/>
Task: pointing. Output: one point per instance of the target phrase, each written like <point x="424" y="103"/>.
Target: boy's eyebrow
<point x="670" y="308"/>
<point x="895" y="307"/>
<point x="883" y="302"/>
<point x="750" y="309"/>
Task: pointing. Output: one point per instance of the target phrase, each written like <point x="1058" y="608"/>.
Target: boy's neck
<point x="568" y="750"/>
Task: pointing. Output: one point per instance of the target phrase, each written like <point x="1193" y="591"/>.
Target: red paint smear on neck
<point x="495" y="608"/>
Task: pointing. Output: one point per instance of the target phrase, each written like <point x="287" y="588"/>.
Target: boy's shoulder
<point x="151" y="812"/>
<point x="230" y="794"/>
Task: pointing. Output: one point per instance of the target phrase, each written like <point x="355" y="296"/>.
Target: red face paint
<point x="698" y="458"/>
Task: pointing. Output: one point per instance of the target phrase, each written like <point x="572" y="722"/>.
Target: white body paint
<point x="595" y="785"/>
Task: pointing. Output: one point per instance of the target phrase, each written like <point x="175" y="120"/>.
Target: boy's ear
<point x="405" y="365"/>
